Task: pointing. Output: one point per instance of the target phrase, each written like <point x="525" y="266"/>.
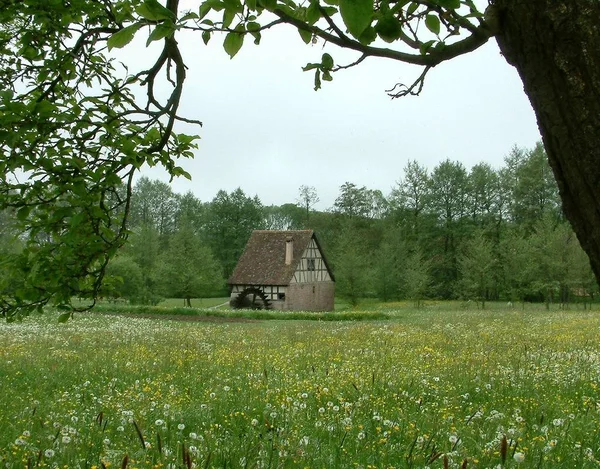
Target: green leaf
<point x="368" y="36"/>
<point x="206" y="36"/>
<point x="433" y="24"/>
<point x="449" y="4"/>
<point x="327" y="62"/>
<point x="122" y="38"/>
<point x="308" y="67"/>
<point x="388" y="28"/>
<point x="228" y="17"/>
<point x="412" y="8"/>
<point x="152" y="10"/>
<point x="189" y="16"/>
<point x="165" y="29"/>
<point x="305" y="35"/>
<point x="357" y="15"/>
<point x="424" y="48"/>
<point x="233" y="43"/>
<point x="313" y="14"/>
<point x="269" y="5"/>
<point x="64" y="317"/>
<point x="23" y="213"/>
<point x="317" y="79"/>
<point x="216" y="5"/>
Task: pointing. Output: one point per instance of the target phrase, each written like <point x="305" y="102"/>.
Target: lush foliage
<point x="71" y="129"/>
<point x="430" y="386"/>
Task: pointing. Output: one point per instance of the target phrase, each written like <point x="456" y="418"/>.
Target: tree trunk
<point x="555" y="46"/>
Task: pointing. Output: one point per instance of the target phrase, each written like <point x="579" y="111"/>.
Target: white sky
<point x="267" y="131"/>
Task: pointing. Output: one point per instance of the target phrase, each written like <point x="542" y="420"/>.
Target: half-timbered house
<point x="284" y="270"/>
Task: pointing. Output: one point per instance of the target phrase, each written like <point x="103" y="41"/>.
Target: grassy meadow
<point x="431" y="388"/>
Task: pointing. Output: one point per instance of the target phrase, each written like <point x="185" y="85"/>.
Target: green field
<point x="424" y="389"/>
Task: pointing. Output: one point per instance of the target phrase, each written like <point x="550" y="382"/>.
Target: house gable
<point x="312" y="266"/>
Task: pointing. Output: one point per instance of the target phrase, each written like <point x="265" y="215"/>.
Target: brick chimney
<point x="289" y="250"/>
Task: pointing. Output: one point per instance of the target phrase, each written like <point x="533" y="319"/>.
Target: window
<point x="281" y="296"/>
<point x="310" y="264"/>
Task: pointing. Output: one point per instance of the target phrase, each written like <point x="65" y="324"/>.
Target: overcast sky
<point x="267" y="131"/>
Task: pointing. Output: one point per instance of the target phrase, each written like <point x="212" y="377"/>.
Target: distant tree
<point x="516" y="265"/>
<point x="187" y="269"/>
<point x="154" y="203"/>
<point x="409" y="198"/>
<point x="548" y="251"/>
<point x="477" y="265"/>
<point x="448" y="201"/>
<point x="416" y="276"/>
<point x="360" y="202"/>
<point x="190" y="210"/>
<point x="487" y="204"/>
<point x="535" y="191"/>
<point x="307" y="199"/>
<point x="143" y="247"/>
<point x="389" y="259"/>
<point x="353" y="201"/>
<point x="123" y="279"/>
<point x="352" y="265"/>
<point x="230" y="221"/>
<point x="284" y="217"/>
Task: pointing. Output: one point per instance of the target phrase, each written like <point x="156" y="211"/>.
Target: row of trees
<point x="481" y="234"/>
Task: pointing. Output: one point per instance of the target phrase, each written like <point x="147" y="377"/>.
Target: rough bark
<point x="555" y="46"/>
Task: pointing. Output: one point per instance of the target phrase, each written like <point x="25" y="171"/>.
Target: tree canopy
<point x="74" y="129"/>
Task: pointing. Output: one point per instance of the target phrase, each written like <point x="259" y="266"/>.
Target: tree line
<point x="480" y="234"/>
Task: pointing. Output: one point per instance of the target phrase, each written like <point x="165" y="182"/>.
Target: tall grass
<point x="428" y="389"/>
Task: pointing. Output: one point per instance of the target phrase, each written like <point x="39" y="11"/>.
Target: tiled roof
<point x="263" y="260"/>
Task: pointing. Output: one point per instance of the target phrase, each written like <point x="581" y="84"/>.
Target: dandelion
<point x="519" y="457"/>
<point x="361" y="435"/>
<point x="181" y="426"/>
<point x="453" y="439"/>
<point x="321" y="410"/>
<point x="226" y="388"/>
<point x="66" y="439"/>
<point x="120" y="428"/>
<point x="106" y="441"/>
<point x="557" y="422"/>
<point x="27" y="433"/>
<point x="159" y="422"/>
<point x="254" y="422"/>
<point x="304" y="395"/>
<point x="193" y="436"/>
<point x="49" y="453"/>
<point x="20" y="442"/>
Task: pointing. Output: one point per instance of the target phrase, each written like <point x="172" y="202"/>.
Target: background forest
<point x="480" y="234"/>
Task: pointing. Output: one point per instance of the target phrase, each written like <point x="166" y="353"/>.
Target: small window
<point x="310" y="264"/>
<point x="281" y="296"/>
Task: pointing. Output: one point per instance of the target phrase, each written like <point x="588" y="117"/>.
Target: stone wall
<point x="312" y="296"/>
